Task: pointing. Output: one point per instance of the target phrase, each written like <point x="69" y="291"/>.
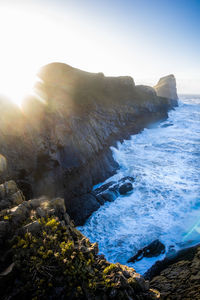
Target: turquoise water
<point x="165" y="203"/>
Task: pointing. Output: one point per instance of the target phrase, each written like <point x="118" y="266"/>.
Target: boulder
<point x="86" y="204"/>
<point x="125" y="188"/>
<point x="104" y="187"/>
<point x="127" y="178"/>
<point x="108" y="196"/>
<point x="152" y="250"/>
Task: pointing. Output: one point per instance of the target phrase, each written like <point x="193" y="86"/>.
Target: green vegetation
<point x="60" y="259"/>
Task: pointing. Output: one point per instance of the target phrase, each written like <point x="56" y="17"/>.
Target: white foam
<point x="166" y="198"/>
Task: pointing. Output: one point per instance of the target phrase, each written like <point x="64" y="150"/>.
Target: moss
<point x="110" y="268"/>
<point x="60" y="263"/>
<point x="55" y="255"/>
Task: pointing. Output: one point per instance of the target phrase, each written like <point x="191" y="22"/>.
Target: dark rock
<point x="82" y="207"/>
<point x="127" y="178"/>
<point x="104" y="187"/>
<point x="183" y="254"/>
<point x="100" y="199"/>
<point x="109" y="196"/>
<point x="33" y="227"/>
<point x="152" y="250"/>
<point x="3" y="229"/>
<point x="49" y="257"/>
<point x="125" y="188"/>
<point x="178" y="277"/>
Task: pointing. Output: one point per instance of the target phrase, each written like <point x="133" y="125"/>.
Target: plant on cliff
<point x="43" y="256"/>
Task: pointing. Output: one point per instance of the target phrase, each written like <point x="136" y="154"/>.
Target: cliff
<point x="58" y="144"/>
<point x="178" y="277"/>
<point x="166" y="87"/>
<point x="43" y="256"/>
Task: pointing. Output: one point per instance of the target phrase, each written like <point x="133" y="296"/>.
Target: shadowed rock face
<point x="178" y="277"/>
<point x="59" y="144"/>
<point x="166" y="87"/>
<point x="43" y="256"/>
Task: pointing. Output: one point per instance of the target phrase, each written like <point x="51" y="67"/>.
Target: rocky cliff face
<point x="179" y="277"/>
<point x="43" y="256"/>
<point x="166" y="87"/>
<point x="58" y="145"/>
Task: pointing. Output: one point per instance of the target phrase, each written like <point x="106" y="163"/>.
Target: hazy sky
<point x="146" y="39"/>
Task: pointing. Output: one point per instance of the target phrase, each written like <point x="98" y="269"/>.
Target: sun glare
<point x="22" y="52"/>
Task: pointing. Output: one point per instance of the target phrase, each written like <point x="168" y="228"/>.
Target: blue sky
<point x="146" y="39"/>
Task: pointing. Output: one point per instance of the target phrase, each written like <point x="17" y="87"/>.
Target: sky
<point x="146" y="39"/>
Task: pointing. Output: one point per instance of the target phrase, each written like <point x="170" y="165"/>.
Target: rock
<point x="86" y="204"/>
<point x="2" y="191"/>
<point x="152" y="250"/>
<point x="10" y="187"/>
<point x="181" y="255"/>
<point x="10" y="195"/>
<point x="104" y="187"/>
<point x="67" y="146"/>
<point x="50" y="257"/>
<point x="8" y="270"/>
<point x="147" y="89"/>
<point x="100" y="199"/>
<point x="108" y="196"/>
<point x="127" y="178"/>
<point x="166" y="87"/>
<point x="179" y="277"/>
<point x="17" y="198"/>
<point x="33" y="227"/>
<point x="125" y="188"/>
<point x="3" y="230"/>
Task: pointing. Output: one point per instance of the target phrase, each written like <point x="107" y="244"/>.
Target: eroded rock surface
<point x="166" y="87"/>
<point x="180" y="280"/>
<point x="43" y="256"/>
<point x="59" y="144"/>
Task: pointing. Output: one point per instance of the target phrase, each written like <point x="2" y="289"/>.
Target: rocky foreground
<point x="180" y="280"/>
<point x="43" y="256"/>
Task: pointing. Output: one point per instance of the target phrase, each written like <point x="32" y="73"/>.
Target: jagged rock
<point x="10" y="195"/>
<point x="33" y="227"/>
<point x="104" y="187"/>
<point x="179" y="277"/>
<point x="125" y="188"/>
<point x="48" y="258"/>
<point x="82" y="207"/>
<point x="153" y="249"/>
<point x="127" y="178"/>
<point x="166" y="87"/>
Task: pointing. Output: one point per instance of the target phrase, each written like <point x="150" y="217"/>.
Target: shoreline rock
<point x="177" y="277"/>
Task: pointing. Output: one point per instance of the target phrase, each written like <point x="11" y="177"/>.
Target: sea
<point x="164" y="160"/>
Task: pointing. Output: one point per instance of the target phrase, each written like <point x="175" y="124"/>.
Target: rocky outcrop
<point x="59" y="144"/>
<point x="166" y="87"/>
<point x="43" y="256"/>
<point x="152" y="250"/>
<point x="178" y="277"/>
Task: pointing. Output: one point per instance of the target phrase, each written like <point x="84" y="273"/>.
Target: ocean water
<point x="165" y="202"/>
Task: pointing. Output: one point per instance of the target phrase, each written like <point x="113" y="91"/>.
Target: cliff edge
<point x="59" y="143"/>
<point x="166" y="87"/>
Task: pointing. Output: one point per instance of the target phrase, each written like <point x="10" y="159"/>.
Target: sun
<point x="23" y="51"/>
